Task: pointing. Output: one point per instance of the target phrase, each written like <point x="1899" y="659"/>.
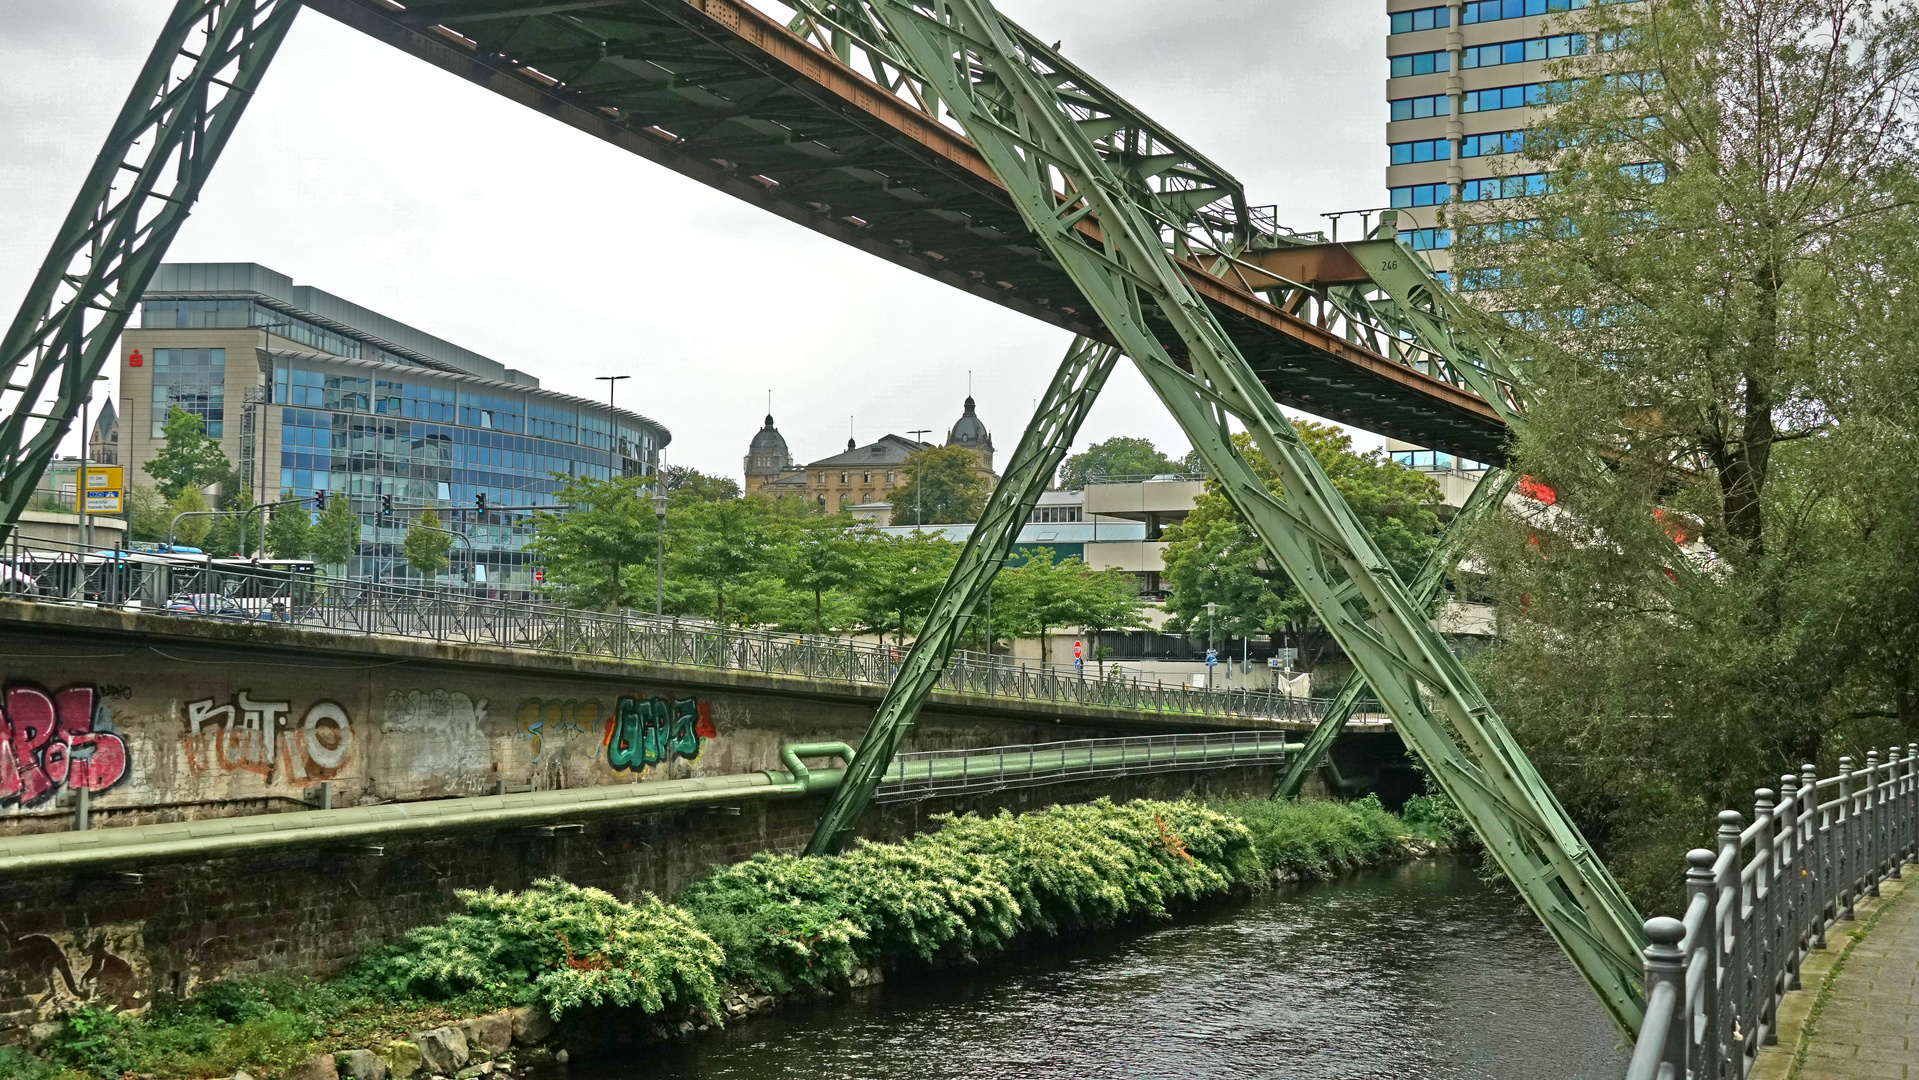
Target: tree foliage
<point x="690" y="482"/>
<point x="1716" y="289"/>
<point x="598" y="553"/>
<point x="1214" y="557"/>
<point x="1120" y="456"/>
<point x="336" y="535"/>
<point x="290" y="532"/>
<point x="190" y="459"/>
<point x="426" y="544"/>
<point x="944" y="486"/>
<point x="1041" y="595"/>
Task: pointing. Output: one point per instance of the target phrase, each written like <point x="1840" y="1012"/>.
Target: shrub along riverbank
<point x="772" y="925"/>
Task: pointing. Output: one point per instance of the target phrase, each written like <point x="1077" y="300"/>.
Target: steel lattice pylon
<point x="1037" y="133"/>
<point x="196" y="82"/>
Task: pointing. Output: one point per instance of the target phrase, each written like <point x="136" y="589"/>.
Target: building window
<point x="1428" y="460"/>
<point x="193" y="379"/>
<point x="1518" y="52"/>
<point x="1505" y="187"/>
<point x="1418" y="108"/>
<point x="842" y="478"/>
<point x="1492" y="142"/>
<point x="1479" y="11"/>
<point x="1424" y="63"/>
<point x="1432" y="18"/>
<point x="1420" y="195"/>
<point x="1427" y="239"/>
<point x="889" y="478"/>
<point x="1507" y="97"/>
<point x="1412" y="153"/>
<point x="866" y="478"/>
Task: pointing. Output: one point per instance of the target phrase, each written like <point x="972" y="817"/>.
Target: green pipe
<point x="219" y="837"/>
<point x="797" y="772"/>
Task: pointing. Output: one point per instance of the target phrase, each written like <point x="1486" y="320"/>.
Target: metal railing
<point x="928" y="773"/>
<point x="1757" y="905"/>
<point x="196" y="586"/>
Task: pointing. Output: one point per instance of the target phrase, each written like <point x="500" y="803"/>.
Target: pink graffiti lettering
<point x="49" y="741"/>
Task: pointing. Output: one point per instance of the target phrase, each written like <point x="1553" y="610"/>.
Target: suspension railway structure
<point x="940" y="136"/>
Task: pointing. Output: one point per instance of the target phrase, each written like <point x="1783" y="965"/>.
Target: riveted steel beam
<point x="183" y="107"/>
<point x="1005" y="96"/>
<point x="1076" y="384"/>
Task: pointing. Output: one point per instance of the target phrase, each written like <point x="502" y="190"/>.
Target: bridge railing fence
<point x="923" y="774"/>
<point x="1760" y="902"/>
<point x="196" y="586"/>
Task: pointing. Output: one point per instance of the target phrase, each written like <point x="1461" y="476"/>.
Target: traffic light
<point x="479" y="502"/>
<point x="386" y="506"/>
<point x="319" y="501"/>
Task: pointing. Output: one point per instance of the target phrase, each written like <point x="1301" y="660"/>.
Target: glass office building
<point x="309" y="393"/>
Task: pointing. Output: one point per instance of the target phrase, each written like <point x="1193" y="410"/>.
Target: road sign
<point x="1212" y="657"/>
<point x="1273" y="662"/>
<point x="106" y="490"/>
<point x="539" y="575"/>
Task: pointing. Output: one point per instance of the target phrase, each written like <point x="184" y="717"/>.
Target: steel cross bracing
<point x="1006" y="98"/>
<point x="1487" y="495"/>
<point x="1075" y="386"/>
<point x="196" y="82"/>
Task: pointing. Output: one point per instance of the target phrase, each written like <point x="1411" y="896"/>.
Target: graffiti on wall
<point x="648" y="731"/>
<point x="443" y="740"/>
<point x="102" y="966"/>
<point x="48" y="741"/>
<point x="263" y="737"/>
<point x="549" y="725"/>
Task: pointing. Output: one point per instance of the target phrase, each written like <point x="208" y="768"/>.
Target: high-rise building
<point x="1467" y="78"/>
<point x="307" y="392"/>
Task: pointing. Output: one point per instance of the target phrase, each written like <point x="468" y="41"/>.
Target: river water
<point x="1416" y="972"/>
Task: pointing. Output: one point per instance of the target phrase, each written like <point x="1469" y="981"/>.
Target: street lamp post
<point x="1210" y="608"/>
<point x="85" y="524"/>
<point x="918" y="499"/>
<point x="659" y="515"/>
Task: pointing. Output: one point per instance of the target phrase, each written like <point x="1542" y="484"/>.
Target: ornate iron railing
<point x="194" y="586"/>
<point x="927" y="773"/>
<point x="1757" y="905"/>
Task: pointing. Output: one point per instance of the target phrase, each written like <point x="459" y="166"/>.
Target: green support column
<point x="1038" y="133"/>
<point x="1075" y="387"/>
<point x="1488" y="493"/>
<point x="183" y="107"/>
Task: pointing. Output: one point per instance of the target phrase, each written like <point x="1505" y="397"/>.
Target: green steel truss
<point x="1488" y="494"/>
<point x="1074" y="388"/>
<point x="189" y="95"/>
<point x="1111" y="236"/>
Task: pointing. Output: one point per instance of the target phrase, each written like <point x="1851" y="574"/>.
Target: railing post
<point x="1790" y="862"/>
<point x="1848" y="874"/>
<point x="1666" y="966"/>
<point x="1813" y="857"/>
<point x="1705" y="951"/>
<point x="1895" y="803"/>
<point x="1912" y="800"/>
<point x="1869" y="840"/>
<point x="1765" y="895"/>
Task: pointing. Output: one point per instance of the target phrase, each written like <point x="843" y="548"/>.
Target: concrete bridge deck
<point x="1858" y="1016"/>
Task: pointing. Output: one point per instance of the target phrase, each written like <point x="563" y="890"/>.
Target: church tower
<point x="767" y="457"/>
<point x="969" y="432"/>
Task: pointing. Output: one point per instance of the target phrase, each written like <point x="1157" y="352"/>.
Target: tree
<point x="290" y="532"/>
<point x="899" y="578"/>
<point x="1121" y="456"/>
<point x="1213" y="557"/>
<point x="190" y="459"/>
<point x="824" y="557"/>
<point x="189" y="531"/>
<point x="1714" y="294"/>
<point x="712" y="548"/>
<point x="224" y="533"/>
<point x="426" y="545"/>
<point x="1041" y="595"/>
<point x="943" y="486"/>
<point x="147" y="514"/>
<point x="336" y="535"/>
<point x="593" y="552"/>
<point x="681" y="480"/>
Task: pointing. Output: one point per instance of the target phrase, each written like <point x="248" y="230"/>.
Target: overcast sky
<point x="378" y="178"/>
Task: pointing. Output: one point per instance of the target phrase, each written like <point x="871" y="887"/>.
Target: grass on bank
<point x="775" y="923"/>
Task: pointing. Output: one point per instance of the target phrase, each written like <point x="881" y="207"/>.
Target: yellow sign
<point x="106" y="491"/>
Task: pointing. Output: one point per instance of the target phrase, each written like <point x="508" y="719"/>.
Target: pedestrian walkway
<point x="1863" y="1022"/>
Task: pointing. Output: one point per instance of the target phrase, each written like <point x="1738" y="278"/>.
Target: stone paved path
<point x="1869" y="1028"/>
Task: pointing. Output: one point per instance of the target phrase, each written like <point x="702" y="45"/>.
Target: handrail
<point x="198" y="586"/>
<point x="1714" y="980"/>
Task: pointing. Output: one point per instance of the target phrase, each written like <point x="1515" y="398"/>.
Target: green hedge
<point x="778" y="922"/>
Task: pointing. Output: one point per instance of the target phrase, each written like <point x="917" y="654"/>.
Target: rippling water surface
<point x="1418" y="972"/>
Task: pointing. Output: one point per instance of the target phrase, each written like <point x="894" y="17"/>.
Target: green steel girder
<point x="1003" y="95"/>
<point x="1487" y="495"/>
<point x="189" y="95"/>
<point x="1075" y="386"/>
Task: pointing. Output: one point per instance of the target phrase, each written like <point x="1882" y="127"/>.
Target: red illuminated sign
<point x="136" y="359"/>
